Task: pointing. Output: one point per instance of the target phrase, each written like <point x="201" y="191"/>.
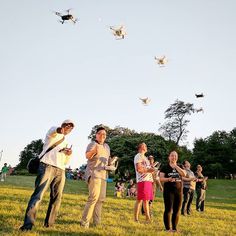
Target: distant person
<point x="120" y="189"/>
<point x="97" y="153"/>
<point x="144" y="181"/>
<point x="5" y="170"/>
<point x="51" y="174"/>
<point x="131" y="189"/>
<point x="171" y="175"/>
<point x="117" y="192"/>
<point x="201" y="186"/>
<point x="189" y="184"/>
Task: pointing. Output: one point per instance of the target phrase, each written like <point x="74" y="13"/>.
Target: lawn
<point x="218" y="219"/>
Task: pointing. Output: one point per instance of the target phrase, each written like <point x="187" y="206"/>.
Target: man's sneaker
<point x="84" y="225"/>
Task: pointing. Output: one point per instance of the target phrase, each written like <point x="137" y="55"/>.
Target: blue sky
<point x="51" y="72"/>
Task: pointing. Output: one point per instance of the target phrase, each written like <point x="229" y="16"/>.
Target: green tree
<point x="216" y="153"/>
<point x="30" y="151"/>
<point x="111" y="133"/>
<point x="124" y="142"/>
<point x="175" y="127"/>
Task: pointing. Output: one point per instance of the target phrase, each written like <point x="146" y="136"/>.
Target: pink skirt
<point x="144" y="191"/>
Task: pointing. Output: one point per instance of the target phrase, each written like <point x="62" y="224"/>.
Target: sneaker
<point x="26" y="227"/>
<point x="46" y="225"/>
<point x="84" y="225"/>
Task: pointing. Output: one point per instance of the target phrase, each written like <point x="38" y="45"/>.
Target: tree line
<point x="216" y="153"/>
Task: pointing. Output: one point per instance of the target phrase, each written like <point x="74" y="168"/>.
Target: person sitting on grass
<point x="131" y="189"/>
<point x="119" y="189"/>
<point x="117" y="192"/>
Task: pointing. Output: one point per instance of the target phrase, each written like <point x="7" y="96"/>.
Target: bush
<point x="22" y="172"/>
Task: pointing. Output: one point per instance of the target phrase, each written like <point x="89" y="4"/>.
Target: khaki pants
<point x="97" y="195"/>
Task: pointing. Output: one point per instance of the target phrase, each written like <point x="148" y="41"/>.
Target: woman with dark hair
<point x="171" y="175"/>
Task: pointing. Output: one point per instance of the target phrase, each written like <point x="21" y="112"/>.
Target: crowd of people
<point x="178" y="183"/>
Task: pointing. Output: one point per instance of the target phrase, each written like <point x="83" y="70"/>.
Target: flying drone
<point x="145" y="100"/>
<point x="161" y="61"/>
<point x="66" y="17"/>
<point x="199" y="95"/>
<point x="118" y="32"/>
<point x="199" y="110"/>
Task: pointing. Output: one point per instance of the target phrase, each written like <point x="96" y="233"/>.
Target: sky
<point x="52" y="71"/>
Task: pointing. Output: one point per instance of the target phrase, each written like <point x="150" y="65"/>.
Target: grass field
<point x="218" y="219"/>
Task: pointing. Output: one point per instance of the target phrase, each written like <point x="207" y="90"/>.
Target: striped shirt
<point x="140" y="158"/>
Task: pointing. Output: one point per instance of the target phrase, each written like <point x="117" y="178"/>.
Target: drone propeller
<point x="68" y="10"/>
<point x="57" y="13"/>
<point x="75" y="20"/>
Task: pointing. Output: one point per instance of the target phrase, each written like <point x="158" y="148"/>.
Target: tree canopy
<point x="124" y="142"/>
<point x="175" y="126"/>
<point x="32" y="150"/>
<point x="216" y="153"/>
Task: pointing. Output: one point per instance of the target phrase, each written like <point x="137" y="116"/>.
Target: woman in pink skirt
<point x="144" y="181"/>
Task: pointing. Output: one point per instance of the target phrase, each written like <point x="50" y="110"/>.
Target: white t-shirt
<point x="140" y="158"/>
<point x="54" y="157"/>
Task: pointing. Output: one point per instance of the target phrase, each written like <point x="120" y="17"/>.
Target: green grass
<point x="218" y="219"/>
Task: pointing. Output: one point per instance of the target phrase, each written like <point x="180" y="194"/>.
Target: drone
<point x="161" y="61"/>
<point x="145" y="100"/>
<point x="66" y="17"/>
<point x="199" y="110"/>
<point x="199" y="95"/>
<point x="118" y="32"/>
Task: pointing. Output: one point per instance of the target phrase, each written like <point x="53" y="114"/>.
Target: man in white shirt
<point x="51" y="173"/>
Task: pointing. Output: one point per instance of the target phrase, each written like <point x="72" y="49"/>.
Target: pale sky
<point x="51" y="72"/>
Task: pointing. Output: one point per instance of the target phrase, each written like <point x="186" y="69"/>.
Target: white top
<point x="54" y="157"/>
<point x="140" y="158"/>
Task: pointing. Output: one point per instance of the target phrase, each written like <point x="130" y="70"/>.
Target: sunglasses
<point x="69" y="126"/>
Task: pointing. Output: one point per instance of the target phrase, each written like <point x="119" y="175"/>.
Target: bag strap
<point x="53" y="146"/>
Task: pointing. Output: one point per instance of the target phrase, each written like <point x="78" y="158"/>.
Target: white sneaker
<point x="84" y="225"/>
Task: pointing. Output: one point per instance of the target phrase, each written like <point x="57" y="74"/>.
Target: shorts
<point x="144" y="190"/>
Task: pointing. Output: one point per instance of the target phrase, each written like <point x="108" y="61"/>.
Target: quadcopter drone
<point x="118" y="32"/>
<point x="199" y="110"/>
<point x="199" y="95"/>
<point x="161" y="61"/>
<point x="112" y="164"/>
<point x="66" y="17"/>
<point x="145" y="100"/>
